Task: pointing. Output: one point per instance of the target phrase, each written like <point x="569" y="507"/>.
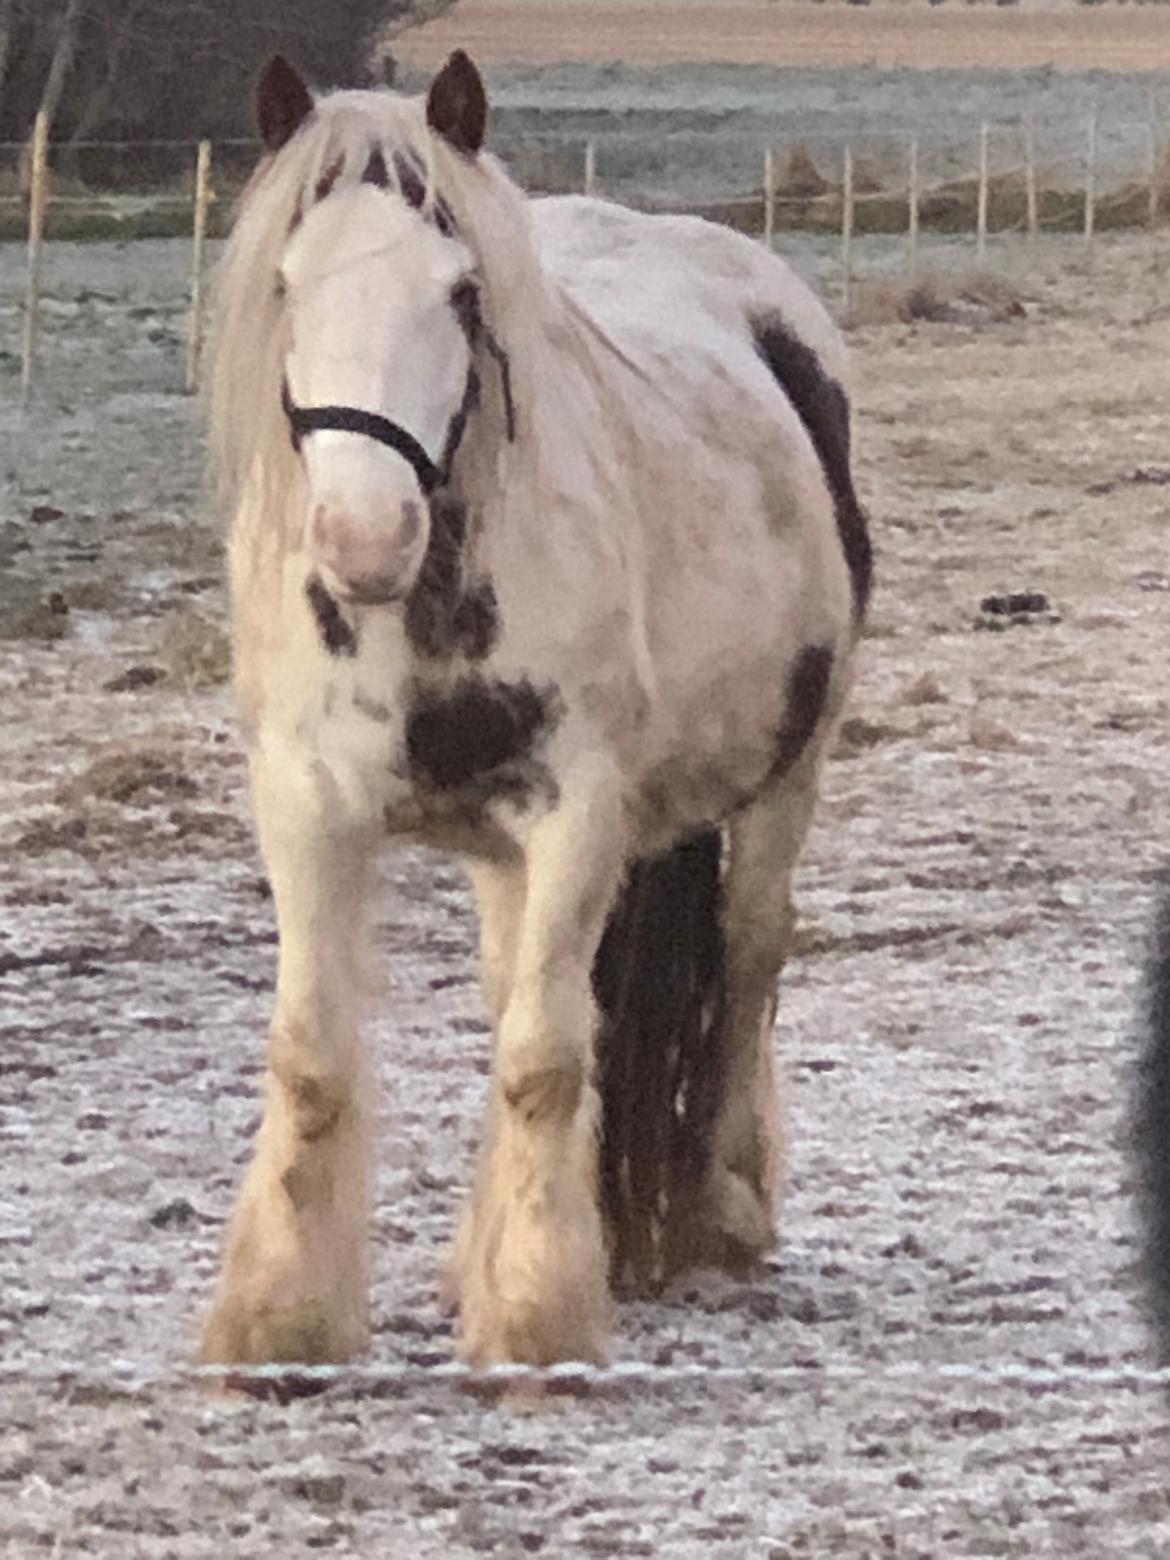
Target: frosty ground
<point x="944" y="1357"/>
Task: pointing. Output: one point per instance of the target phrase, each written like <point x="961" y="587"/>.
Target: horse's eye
<point x="465" y="302"/>
<point x="279" y="286"/>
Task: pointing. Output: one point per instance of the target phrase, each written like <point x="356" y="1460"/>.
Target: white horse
<point x="546" y="552"/>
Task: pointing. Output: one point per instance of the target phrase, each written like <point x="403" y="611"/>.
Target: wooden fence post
<point x="981" y="213"/>
<point x="590" y="168"/>
<point x="1090" y="179"/>
<point x="847" y="229"/>
<point x="1152" y="212"/>
<point x="1030" y="183"/>
<point x="769" y="196"/>
<point x="912" y="201"/>
<point x="37" y="206"/>
<point x="203" y="199"/>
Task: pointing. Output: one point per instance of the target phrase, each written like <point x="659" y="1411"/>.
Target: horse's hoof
<point x="290" y="1334"/>
<point x="571" y="1325"/>
<point x="539" y="1342"/>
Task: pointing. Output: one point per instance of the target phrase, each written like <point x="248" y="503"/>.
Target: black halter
<point x="304" y="420"/>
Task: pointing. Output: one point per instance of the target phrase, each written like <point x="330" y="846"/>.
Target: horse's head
<point x="380" y="312"/>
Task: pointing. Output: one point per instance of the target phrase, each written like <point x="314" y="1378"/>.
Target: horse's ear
<point x="283" y="103"/>
<point x="457" y="104"/>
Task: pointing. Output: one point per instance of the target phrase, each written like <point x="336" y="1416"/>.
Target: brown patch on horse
<point x="477" y="622"/>
<point x="823" y="408"/>
<point x="335" y="633"/>
<point x="807" y="701"/>
<point x="372" y="709"/>
<point x="478" y="736"/>
<point x="434" y="598"/>
<point x="660" y="981"/>
<point x="324" y="185"/>
<point x="375" y="172"/>
<point x="445" y="614"/>
<point x="409" y="173"/>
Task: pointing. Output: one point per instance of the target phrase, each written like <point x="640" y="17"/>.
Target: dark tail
<point x="1152" y="1129"/>
<point x="660" y="980"/>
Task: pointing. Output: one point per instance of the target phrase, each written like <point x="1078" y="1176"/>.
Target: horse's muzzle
<point x="368" y="563"/>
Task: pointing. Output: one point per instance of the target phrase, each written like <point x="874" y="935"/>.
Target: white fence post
<point x="981" y="215"/>
<point x="203" y="199"/>
<point x="37" y="206"/>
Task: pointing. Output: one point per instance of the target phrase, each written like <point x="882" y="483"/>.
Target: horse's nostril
<point x="411" y="522"/>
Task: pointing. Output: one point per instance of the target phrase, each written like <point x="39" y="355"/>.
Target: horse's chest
<point x="425" y="747"/>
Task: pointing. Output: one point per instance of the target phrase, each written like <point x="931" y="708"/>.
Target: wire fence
<point x="1014" y="183"/>
<point x="574" y="1378"/>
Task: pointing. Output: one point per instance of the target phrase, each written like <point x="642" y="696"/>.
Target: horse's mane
<point x="249" y="438"/>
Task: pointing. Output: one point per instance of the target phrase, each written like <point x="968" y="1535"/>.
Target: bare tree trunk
<point x="54" y="82"/>
<point x="99" y="100"/>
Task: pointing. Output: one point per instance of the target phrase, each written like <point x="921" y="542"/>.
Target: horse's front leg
<point x="294" y="1283"/>
<point x="533" y="1264"/>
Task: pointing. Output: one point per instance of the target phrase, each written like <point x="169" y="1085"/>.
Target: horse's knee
<point x="550" y="1093"/>
<point x="759" y="936"/>
<point x="317" y="1100"/>
<point x="544" y="1056"/>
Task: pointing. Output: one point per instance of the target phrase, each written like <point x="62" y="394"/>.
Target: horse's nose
<point x="369" y="560"/>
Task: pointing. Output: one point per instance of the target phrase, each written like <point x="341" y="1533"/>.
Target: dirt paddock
<point x="944" y="1357"/>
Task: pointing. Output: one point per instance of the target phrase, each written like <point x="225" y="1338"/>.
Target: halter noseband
<point x="303" y="420"/>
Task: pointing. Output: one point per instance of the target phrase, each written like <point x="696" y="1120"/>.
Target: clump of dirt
<point x="135" y="678"/>
<point x="196" y="652"/>
<point x="924" y="690"/>
<point x="46" y="620"/>
<point x="93" y="595"/>
<point x="856" y="734"/>
<point x="957" y="298"/>
<point x="131" y="776"/>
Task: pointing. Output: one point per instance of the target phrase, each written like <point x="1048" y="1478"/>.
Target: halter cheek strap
<point x="303" y="420"/>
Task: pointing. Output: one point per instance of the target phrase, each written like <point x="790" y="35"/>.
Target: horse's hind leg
<point x="533" y="1265"/>
<point x="294" y="1284"/>
<point x="748" y="1143"/>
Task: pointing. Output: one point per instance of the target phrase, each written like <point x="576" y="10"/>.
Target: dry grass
<point x="948" y="297"/>
<point x="196" y="652"/>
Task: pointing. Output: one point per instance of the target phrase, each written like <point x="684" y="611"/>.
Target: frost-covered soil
<point x="945" y="1357"/>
